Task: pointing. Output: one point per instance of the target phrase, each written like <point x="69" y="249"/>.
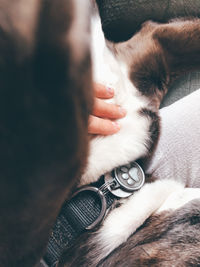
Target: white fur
<point x="124" y="221"/>
<point x="179" y="199"/>
<point x="159" y="196"/>
<point x="130" y="143"/>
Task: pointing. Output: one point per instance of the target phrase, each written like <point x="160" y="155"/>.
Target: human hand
<point x="103" y="115"/>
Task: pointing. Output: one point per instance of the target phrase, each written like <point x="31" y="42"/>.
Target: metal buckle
<point x="121" y="182"/>
<point x="103" y="204"/>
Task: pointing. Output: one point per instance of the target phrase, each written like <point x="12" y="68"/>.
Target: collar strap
<point x="88" y="206"/>
<point x="83" y="212"/>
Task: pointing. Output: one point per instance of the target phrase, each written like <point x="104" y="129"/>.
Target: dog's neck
<point x="108" y="68"/>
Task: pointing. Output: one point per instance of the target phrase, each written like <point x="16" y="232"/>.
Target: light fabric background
<point x="177" y="155"/>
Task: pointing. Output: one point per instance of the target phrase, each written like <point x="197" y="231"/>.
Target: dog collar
<point x="88" y="207"/>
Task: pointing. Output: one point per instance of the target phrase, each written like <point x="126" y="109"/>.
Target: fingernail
<point x="122" y="111"/>
<point x="110" y="91"/>
<point x="116" y="125"/>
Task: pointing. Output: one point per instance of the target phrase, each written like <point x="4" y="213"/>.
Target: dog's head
<point x="45" y="99"/>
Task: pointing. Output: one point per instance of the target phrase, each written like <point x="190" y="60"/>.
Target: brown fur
<point x="45" y="100"/>
<point x="154" y="128"/>
<point x="162" y="52"/>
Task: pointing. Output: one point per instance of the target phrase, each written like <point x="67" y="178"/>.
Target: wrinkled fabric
<point x="177" y="155"/>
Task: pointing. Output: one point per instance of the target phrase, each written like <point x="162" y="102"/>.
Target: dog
<point x="46" y="98"/>
<point x="159" y="224"/>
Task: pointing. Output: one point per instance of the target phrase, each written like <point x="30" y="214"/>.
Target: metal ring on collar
<point x="103" y="204"/>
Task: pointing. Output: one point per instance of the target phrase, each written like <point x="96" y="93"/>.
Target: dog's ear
<point x="45" y="100"/>
<point x="180" y="41"/>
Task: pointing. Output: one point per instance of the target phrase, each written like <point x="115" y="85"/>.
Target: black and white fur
<point x="132" y="141"/>
<point x="122" y="66"/>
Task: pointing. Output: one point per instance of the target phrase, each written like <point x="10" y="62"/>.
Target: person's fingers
<point x="107" y="110"/>
<point x="102" y="91"/>
<point x="100" y="122"/>
<point x="102" y="126"/>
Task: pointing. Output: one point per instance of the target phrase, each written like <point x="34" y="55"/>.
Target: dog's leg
<point x="121" y="222"/>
